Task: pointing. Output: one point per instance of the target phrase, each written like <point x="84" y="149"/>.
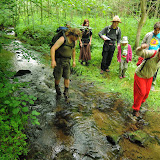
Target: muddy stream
<point x="93" y="126"/>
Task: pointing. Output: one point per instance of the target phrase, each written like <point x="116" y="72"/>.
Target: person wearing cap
<point x="61" y="53"/>
<point x="144" y="75"/>
<point x="153" y="41"/>
<point x="124" y="56"/>
<point x="110" y="34"/>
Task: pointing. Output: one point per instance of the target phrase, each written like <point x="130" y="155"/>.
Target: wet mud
<point x="92" y="126"/>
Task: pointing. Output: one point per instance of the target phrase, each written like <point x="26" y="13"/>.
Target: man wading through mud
<point x="61" y="53"/>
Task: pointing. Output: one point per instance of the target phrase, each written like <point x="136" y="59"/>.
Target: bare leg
<point x="66" y="83"/>
<point x="57" y="82"/>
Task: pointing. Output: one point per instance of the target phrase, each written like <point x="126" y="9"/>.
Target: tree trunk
<point x="49" y="11"/>
<point x="32" y="14"/>
<point x="141" y="22"/>
<point x="41" y="13"/>
<point x="27" y="12"/>
<point x="157" y="9"/>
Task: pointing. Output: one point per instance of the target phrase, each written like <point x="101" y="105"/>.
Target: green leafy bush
<point x="14" y="116"/>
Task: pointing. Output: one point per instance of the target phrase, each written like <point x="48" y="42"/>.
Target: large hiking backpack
<point x="60" y="32"/>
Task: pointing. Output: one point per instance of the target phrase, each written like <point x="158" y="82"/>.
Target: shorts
<point x="62" y="69"/>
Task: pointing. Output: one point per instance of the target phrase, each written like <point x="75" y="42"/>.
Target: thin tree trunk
<point x="41" y="13"/>
<point x="57" y="13"/>
<point x="49" y="10"/>
<point x="157" y="9"/>
<point x="32" y="14"/>
<point x="27" y="13"/>
<point x="24" y="12"/>
<point x="141" y="22"/>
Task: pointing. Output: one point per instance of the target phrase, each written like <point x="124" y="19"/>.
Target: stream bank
<point x="94" y="126"/>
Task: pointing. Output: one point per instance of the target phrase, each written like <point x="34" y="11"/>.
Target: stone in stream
<point x="22" y="72"/>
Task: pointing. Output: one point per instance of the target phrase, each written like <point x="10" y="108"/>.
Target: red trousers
<point x="141" y="91"/>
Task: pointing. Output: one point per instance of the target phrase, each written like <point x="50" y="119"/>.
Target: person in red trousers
<point x="144" y="75"/>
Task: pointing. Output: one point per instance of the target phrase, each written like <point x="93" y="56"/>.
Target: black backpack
<point x="60" y="32"/>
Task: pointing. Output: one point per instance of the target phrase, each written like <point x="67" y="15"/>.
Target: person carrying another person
<point x="85" y="43"/>
<point x="153" y="40"/>
<point x="144" y="75"/>
<point x="110" y="34"/>
<point x="61" y="53"/>
<point x="124" y="56"/>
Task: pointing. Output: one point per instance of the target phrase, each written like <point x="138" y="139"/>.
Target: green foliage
<point x="6" y="12"/>
<point x="36" y="26"/>
<point x="14" y="116"/>
<point x="39" y="36"/>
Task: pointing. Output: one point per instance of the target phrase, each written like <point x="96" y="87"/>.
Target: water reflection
<point x="90" y="127"/>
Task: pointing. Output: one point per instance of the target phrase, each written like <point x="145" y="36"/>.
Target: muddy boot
<point x="87" y="64"/>
<point x="66" y="94"/>
<point x="58" y="91"/>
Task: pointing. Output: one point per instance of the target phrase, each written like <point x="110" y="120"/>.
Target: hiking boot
<point x="66" y="94"/>
<point x="107" y="70"/>
<point x="136" y="113"/>
<point x="58" y="91"/>
<point x="120" y="77"/>
<point x="86" y="63"/>
<point x="101" y="72"/>
<point x="81" y="62"/>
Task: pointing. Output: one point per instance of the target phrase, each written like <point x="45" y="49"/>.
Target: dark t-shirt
<point x="112" y="35"/>
<point x="86" y="36"/>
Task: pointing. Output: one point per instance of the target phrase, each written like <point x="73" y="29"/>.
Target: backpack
<point x="140" y="60"/>
<point x="60" y="32"/>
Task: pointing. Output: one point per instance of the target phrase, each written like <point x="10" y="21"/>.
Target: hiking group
<point x="63" y="48"/>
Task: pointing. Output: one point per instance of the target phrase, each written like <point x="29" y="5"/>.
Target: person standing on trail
<point x="144" y="75"/>
<point x="85" y="43"/>
<point x="153" y="40"/>
<point x="110" y="34"/>
<point x="124" y="56"/>
<point x="61" y="53"/>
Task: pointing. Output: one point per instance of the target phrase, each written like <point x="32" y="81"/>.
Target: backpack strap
<point x="65" y="38"/>
<point x="157" y="38"/>
<point x="109" y="28"/>
<point x="64" y="44"/>
<point x="117" y="31"/>
<point x="148" y="59"/>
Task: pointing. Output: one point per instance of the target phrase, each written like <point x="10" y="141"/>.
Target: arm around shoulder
<point x="142" y="52"/>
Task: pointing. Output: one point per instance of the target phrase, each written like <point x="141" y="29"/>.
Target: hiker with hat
<point x="110" y="34"/>
<point x="124" y="56"/>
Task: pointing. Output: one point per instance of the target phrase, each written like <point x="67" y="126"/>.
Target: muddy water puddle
<point x="92" y="126"/>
